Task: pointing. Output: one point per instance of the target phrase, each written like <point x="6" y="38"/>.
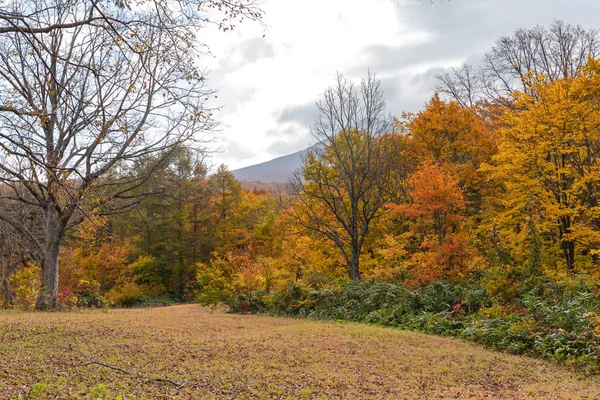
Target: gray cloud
<point x="238" y="151"/>
<point x="409" y="95"/>
<point x="291" y="140"/>
<point x="248" y="52"/>
<point x="481" y="21"/>
<point x="302" y="114"/>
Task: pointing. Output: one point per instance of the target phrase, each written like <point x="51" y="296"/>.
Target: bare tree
<point x="516" y="62"/>
<point x="177" y="16"/>
<point x="9" y="260"/>
<point x="346" y="176"/>
<point x="80" y="102"/>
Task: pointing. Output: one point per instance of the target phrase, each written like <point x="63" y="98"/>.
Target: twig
<point x="93" y="361"/>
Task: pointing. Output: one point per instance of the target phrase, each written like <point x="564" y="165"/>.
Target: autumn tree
<point x="436" y="199"/>
<point x="247" y="248"/>
<point x="86" y="87"/>
<point x="548" y="165"/>
<point x="345" y="178"/>
<point x="437" y="209"/>
<point x="453" y="136"/>
<point x="226" y="191"/>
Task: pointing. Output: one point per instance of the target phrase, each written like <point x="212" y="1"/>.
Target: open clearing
<point x="216" y="355"/>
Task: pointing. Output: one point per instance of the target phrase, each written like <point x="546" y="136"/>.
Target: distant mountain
<point x="269" y="187"/>
<point x="277" y="170"/>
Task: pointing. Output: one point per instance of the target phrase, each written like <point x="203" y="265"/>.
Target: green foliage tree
<point x="165" y="224"/>
<point x="226" y="191"/>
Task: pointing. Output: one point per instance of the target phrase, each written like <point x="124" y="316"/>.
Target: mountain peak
<point x="279" y="169"/>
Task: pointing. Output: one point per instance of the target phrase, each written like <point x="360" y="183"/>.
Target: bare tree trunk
<point x="8" y="270"/>
<point x="569" y="253"/>
<point x="7" y="292"/>
<point x="15" y="247"/>
<point x="568" y="246"/>
<point x="353" y="266"/>
<point x="54" y="236"/>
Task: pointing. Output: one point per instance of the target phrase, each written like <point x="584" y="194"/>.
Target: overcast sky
<point x="268" y="85"/>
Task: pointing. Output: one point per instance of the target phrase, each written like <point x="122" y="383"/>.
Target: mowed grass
<point x="216" y="355"/>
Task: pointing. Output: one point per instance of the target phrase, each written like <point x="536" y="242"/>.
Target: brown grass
<point x="220" y="356"/>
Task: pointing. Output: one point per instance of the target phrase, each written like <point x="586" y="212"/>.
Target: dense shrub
<point x="26" y="283"/>
<point x="131" y="294"/>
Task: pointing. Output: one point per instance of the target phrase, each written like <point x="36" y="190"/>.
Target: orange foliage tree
<point x="458" y="137"/>
<point x="439" y="245"/>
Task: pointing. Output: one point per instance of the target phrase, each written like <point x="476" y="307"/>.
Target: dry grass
<point x="220" y="356"/>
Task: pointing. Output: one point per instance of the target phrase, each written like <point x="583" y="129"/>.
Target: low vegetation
<point x="547" y="320"/>
<point x="190" y="352"/>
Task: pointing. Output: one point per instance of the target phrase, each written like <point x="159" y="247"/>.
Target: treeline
<point x="148" y="247"/>
<point x="495" y="184"/>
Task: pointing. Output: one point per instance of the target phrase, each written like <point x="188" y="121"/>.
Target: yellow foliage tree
<point x="548" y="166"/>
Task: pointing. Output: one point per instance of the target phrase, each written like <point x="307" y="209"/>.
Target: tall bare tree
<point x="516" y="62"/>
<point x="86" y="88"/>
<point x="345" y="179"/>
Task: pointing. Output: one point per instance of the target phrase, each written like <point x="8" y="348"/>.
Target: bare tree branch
<point x="516" y="62"/>
<point x="345" y="180"/>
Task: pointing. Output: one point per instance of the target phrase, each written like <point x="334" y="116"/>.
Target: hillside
<point x="189" y="352"/>
<point x="268" y="187"/>
<point x="279" y="169"/>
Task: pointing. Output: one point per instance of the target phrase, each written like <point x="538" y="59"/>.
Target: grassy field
<point x="188" y="352"/>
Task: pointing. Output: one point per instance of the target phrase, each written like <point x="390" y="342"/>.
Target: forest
<point x="477" y="217"/>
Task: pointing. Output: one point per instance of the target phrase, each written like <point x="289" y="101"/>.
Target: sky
<point x="269" y="76"/>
